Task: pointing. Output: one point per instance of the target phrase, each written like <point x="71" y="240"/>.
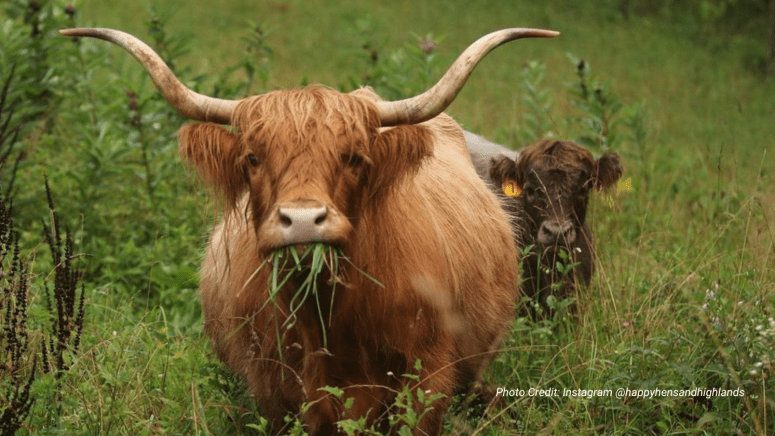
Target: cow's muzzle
<point x="553" y="232"/>
<point x="301" y="223"/>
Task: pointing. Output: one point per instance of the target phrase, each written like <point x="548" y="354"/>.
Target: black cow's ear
<point x="503" y="173"/>
<point x="607" y="171"/>
<point x="502" y="168"/>
<point x="213" y="152"/>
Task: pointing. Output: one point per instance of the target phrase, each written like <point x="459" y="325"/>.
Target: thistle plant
<point x="67" y="319"/>
<point x="18" y="354"/>
<point x="16" y="375"/>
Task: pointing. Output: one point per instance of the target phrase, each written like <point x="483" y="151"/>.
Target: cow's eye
<point x="252" y="160"/>
<point x="354" y="160"/>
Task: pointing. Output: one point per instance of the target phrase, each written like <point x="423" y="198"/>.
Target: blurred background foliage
<point x="683" y="297"/>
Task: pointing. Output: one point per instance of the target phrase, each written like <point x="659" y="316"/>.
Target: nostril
<point x="302" y="218"/>
<point x="285" y="220"/>
<point x="322" y="217"/>
<point x="570" y="235"/>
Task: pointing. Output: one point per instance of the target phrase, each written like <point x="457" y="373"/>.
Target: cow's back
<point x="482" y="151"/>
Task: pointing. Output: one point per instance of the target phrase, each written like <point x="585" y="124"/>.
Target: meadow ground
<point x="683" y="297"/>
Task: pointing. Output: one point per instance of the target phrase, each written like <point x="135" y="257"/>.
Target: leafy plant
<point x="9" y="131"/>
<point x="411" y="404"/>
<point x="537" y="120"/>
<point x="404" y="72"/>
<point x="255" y="65"/>
<point x="600" y="106"/>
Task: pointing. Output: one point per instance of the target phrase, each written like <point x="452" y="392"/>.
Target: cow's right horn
<point x="433" y="101"/>
<point x="187" y="102"/>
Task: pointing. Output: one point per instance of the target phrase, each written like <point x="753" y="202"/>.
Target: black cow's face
<point x="555" y="204"/>
<point x="550" y="184"/>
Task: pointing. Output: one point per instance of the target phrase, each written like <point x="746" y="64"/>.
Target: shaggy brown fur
<point x="555" y="178"/>
<point x="405" y="206"/>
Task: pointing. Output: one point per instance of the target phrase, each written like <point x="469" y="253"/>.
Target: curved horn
<point x="187" y="102"/>
<point x="433" y="101"/>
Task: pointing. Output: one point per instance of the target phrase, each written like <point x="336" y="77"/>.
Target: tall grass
<point x="684" y="291"/>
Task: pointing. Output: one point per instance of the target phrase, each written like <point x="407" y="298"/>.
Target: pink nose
<point x="303" y="224"/>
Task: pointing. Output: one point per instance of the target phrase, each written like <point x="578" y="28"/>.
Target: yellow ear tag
<point x="511" y="188"/>
<point x="624" y="185"/>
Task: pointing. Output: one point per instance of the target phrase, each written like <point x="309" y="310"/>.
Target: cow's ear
<point x="397" y="153"/>
<point x="607" y="171"/>
<point x="503" y="173"/>
<point x="502" y="168"/>
<point x="213" y="152"/>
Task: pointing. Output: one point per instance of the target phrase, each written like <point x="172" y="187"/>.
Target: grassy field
<point x="684" y="292"/>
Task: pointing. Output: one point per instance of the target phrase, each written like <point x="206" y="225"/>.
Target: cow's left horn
<point x="187" y="102"/>
<point x="433" y="101"/>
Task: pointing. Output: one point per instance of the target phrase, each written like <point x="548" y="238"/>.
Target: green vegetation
<point x="684" y="293"/>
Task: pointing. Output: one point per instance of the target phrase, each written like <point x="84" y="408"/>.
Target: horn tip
<point x="75" y="31"/>
<point x="543" y="33"/>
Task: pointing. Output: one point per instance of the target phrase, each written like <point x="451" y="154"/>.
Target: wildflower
<point x="428" y="46"/>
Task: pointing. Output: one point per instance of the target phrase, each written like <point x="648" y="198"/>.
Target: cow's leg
<point x="277" y="392"/>
<point x="438" y="375"/>
<point x="320" y="419"/>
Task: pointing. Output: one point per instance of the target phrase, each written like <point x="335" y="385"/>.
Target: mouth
<point x="305" y="258"/>
<point x="555" y="248"/>
<point x="551" y="253"/>
<point x="269" y="248"/>
<point x="311" y="270"/>
<point x="302" y="227"/>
